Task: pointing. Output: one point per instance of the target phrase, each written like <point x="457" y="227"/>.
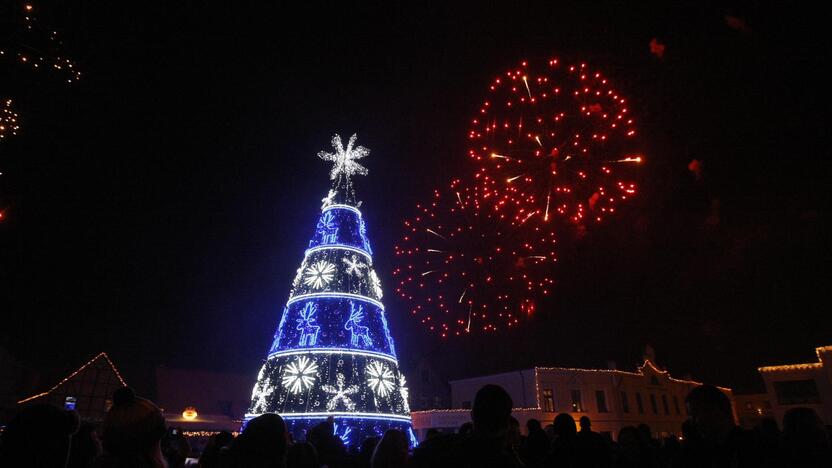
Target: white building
<point x="611" y="398"/>
<point x="801" y="385"/>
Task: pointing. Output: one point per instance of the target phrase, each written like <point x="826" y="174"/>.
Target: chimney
<point x="650" y="354"/>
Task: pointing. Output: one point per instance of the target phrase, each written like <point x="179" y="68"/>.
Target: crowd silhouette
<point x="134" y="435"/>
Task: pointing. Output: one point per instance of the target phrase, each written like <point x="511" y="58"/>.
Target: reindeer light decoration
<point x="308" y="330"/>
<point x="359" y="332"/>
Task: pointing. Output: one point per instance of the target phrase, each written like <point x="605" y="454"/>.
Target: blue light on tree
<point x="336" y="357"/>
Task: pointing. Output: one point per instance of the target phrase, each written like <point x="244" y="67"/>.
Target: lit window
<point x="577" y="406"/>
<point x="548" y="401"/>
<point x="797" y="392"/>
<point x="601" y="401"/>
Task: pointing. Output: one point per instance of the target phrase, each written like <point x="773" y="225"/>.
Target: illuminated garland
<point x="70" y="376"/>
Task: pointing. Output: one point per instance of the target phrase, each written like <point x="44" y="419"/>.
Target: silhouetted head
<point x="586" y="425"/>
<point x="369" y="445"/>
<point x="533" y="425"/>
<point x="492" y="408"/>
<point x="803" y="428"/>
<point x="628" y="440"/>
<point x="133" y="425"/>
<point x="391" y="450"/>
<point x="564" y="426"/>
<point x="711" y="411"/>
<point x="302" y="455"/>
<point x="38" y="436"/>
<point x="466" y="428"/>
<point x="263" y="437"/>
<point x="86" y="447"/>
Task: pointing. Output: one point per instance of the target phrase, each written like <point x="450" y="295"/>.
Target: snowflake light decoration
<point x="405" y="392"/>
<point x="328" y="199"/>
<point x="376" y="284"/>
<point x="380" y="378"/>
<point x="344" y="434"/>
<point x="344" y="159"/>
<point x="340" y="393"/>
<point x="298" y="276"/>
<point x="354" y="266"/>
<point x="300" y="375"/>
<point x="319" y="274"/>
<point x="327" y="222"/>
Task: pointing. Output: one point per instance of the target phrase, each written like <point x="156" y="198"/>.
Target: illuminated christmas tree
<point x="332" y="353"/>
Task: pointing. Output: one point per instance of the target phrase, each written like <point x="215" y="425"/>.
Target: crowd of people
<point x="134" y="434"/>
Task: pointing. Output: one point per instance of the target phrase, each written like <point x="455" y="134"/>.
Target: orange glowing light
<point x="190" y="413"/>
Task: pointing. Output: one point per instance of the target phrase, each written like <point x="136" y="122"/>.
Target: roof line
<point x="640" y="373"/>
<point x="112" y="366"/>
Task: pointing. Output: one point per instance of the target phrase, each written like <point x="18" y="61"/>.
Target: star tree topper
<point x="344" y="159"/>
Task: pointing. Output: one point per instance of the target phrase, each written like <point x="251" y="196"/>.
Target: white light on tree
<point x="319" y="274"/>
<point x="380" y="378"/>
<point x="344" y="159"/>
<point x="300" y="375"/>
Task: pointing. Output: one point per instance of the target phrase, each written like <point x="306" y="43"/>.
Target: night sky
<point x="158" y="209"/>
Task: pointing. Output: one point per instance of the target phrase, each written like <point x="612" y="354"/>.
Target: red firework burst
<point x="464" y="268"/>
<point x="555" y="140"/>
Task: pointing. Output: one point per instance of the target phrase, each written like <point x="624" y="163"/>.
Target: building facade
<point x="752" y="409"/>
<point x="611" y="398"/>
<point x="801" y="385"/>
<point x="88" y="390"/>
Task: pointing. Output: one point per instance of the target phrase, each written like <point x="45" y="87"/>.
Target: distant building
<point x="611" y="398"/>
<point x="427" y="388"/>
<point x="806" y="384"/>
<point x="752" y="408"/>
<point x="197" y="401"/>
<point x="88" y="390"/>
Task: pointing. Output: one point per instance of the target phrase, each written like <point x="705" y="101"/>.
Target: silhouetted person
<point x="466" y="429"/>
<point x="486" y="446"/>
<point x="132" y="433"/>
<point x="302" y="455"/>
<point x="431" y="433"/>
<point x="593" y="449"/>
<point x="565" y="450"/>
<point x="86" y="447"/>
<point x="804" y="439"/>
<point x="39" y="437"/>
<point x="514" y="438"/>
<point x="175" y="448"/>
<point x="210" y="457"/>
<point x="262" y="444"/>
<point x="632" y="451"/>
<point x="330" y="447"/>
<point x="717" y="441"/>
<point x="536" y="444"/>
<point x="365" y="452"/>
<point x="391" y="451"/>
